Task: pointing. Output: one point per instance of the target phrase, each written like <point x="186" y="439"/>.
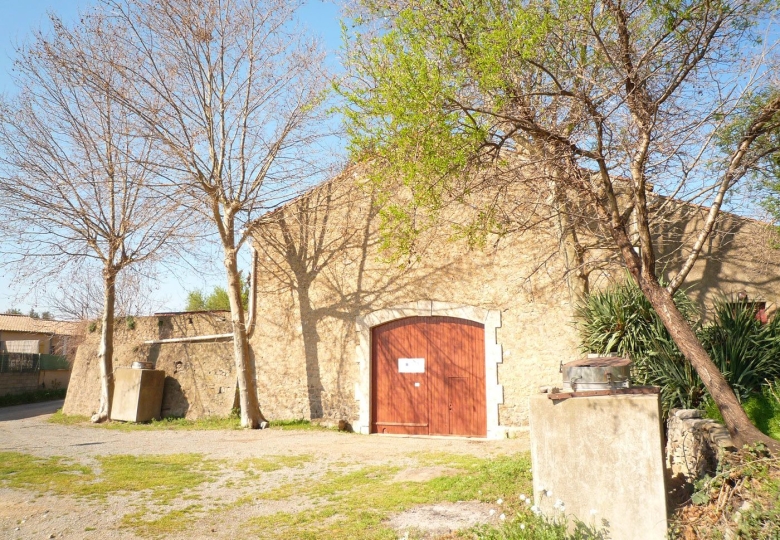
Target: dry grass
<point x="741" y="501"/>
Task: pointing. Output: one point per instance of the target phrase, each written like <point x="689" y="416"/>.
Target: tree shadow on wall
<point x="328" y="237"/>
<point x="737" y="253"/>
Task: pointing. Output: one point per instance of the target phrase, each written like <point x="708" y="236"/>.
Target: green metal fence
<point x="53" y="361"/>
<point x="30" y="363"/>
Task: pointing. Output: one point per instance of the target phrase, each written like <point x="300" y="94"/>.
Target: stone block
<point x="687" y="414"/>
<point x="601" y="458"/>
<point x="138" y="394"/>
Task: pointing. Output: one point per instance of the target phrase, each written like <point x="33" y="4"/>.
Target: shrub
<point x="763" y="409"/>
<point x="746" y="351"/>
<point x="34" y="396"/>
<point x="620" y="320"/>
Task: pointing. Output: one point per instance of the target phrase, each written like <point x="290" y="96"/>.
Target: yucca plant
<point x="619" y="320"/>
<point x="746" y="351"/>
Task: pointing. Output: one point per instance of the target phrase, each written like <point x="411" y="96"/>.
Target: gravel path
<point x="27" y="515"/>
<point x="36" y="436"/>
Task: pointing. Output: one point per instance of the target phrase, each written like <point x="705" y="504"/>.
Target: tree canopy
<point x="216" y="300"/>
<point x="603" y="116"/>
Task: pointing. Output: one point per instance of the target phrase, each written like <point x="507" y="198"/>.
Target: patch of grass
<point x="36" y="396"/>
<point x="210" y="423"/>
<point x="67" y="419"/>
<point x="355" y="504"/>
<point x="297" y="424"/>
<point x="164" y="477"/>
<point x="53" y="474"/>
<point x="526" y="525"/>
<point x="762" y="408"/>
<point x="167" y="523"/>
<point x="252" y="466"/>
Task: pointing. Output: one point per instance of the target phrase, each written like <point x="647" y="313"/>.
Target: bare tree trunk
<point x="251" y="417"/>
<point x="740" y="427"/>
<point x="576" y="274"/>
<point x="106" y="352"/>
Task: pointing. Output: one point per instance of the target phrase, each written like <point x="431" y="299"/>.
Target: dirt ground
<point x="29" y="514"/>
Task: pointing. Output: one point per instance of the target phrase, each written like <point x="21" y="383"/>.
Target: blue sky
<point x="18" y="19"/>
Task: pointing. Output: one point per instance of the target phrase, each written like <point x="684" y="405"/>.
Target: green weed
<point x="297" y="424"/>
<point x="170" y="522"/>
<point x="355" y="504"/>
<point x="273" y="463"/>
<point x="529" y="526"/>
<point x="210" y="423"/>
<point x="762" y="408"/>
<point x="163" y="477"/>
<point x="53" y="474"/>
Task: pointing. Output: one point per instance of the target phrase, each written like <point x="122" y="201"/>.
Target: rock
<point x="687" y="414"/>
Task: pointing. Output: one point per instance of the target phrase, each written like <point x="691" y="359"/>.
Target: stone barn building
<point x="453" y="339"/>
<point x="450" y="339"/>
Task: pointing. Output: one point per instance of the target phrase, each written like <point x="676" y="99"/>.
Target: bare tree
<point x="76" y="175"/>
<point x="79" y="294"/>
<point x="609" y="102"/>
<point x="231" y="94"/>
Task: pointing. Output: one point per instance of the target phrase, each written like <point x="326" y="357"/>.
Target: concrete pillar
<point x="601" y="458"/>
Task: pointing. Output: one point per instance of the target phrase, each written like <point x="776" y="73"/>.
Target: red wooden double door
<point x="429" y="377"/>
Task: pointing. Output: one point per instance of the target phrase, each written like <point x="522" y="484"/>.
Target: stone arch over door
<point x="491" y="319"/>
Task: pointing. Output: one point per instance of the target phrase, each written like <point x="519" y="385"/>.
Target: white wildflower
<point x="500" y="501"/>
<point x="535" y="510"/>
<point x="522" y="526"/>
<point x="492" y="512"/>
<point x="502" y="517"/>
<point x="548" y="492"/>
<point x="558" y="504"/>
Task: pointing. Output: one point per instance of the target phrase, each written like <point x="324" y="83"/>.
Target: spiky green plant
<point x="620" y="320"/>
<point x="746" y="351"/>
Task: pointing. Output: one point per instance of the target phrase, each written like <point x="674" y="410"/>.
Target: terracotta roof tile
<point x="21" y="323"/>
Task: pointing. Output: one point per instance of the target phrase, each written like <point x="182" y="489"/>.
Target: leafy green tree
<point x="13" y="311"/>
<point x="216" y="300"/>
<point x="582" y="108"/>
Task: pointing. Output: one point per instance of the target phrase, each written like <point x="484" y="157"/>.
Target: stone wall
<point x="319" y="276"/>
<point x="694" y="444"/>
<point x="322" y="266"/>
<point x="200" y="377"/>
<point x="53" y="378"/>
<point x="18" y="383"/>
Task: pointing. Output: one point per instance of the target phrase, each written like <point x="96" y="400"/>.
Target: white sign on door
<point x="411" y="365"/>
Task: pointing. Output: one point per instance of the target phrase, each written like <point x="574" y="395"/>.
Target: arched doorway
<point x="428" y="377"/>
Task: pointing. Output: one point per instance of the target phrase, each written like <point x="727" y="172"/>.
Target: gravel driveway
<point x="26" y="514"/>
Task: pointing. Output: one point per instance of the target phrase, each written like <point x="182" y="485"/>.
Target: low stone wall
<point x="52" y="379"/>
<point x="694" y="444"/>
<point x="18" y="383"/>
<point x="200" y="378"/>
